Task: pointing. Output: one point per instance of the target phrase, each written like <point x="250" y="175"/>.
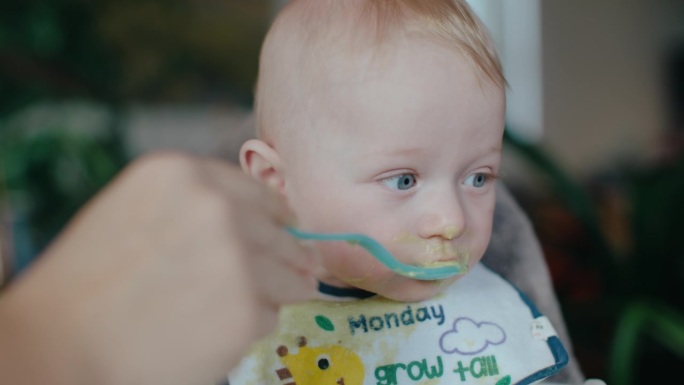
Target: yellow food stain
<point x="343" y="351"/>
<point x="446" y="250"/>
<point x="433" y="381"/>
<point x="299" y="316"/>
<point x="450" y="232"/>
<point x="439" y="264"/>
<point x="354" y="281"/>
<point x="408" y="238"/>
<point x="437" y="252"/>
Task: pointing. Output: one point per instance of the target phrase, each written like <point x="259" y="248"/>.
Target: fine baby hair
<point x="310" y="38"/>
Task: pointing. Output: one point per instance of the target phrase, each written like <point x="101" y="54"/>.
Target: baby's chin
<point x="385" y="283"/>
<point x="413" y="290"/>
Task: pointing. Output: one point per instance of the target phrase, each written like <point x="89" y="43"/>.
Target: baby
<point x="385" y="118"/>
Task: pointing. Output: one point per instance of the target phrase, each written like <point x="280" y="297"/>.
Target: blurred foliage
<point x="645" y="319"/>
<point x="107" y="54"/>
<point x="51" y="173"/>
<point x="129" y="50"/>
<point x="51" y="50"/>
<point x="173" y="49"/>
<point x="657" y="260"/>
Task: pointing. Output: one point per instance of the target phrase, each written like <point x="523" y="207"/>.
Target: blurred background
<point x="594" y="144"/>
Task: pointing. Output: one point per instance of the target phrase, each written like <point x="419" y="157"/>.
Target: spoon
<point x="383" y="255"/>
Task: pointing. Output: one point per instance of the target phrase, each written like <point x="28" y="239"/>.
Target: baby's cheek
<point x="347" y="261"/>
<point x="476" y="254"/>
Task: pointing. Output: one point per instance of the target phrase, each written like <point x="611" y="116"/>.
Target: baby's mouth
<point x="439" y="254"/>
<point x="434" y="253"/>
<point x="432" y="264"/>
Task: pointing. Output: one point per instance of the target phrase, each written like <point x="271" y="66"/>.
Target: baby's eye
<point x="400" y="182"/>
<point x="478" y="179"/>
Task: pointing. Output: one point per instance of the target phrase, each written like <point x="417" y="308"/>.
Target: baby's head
<point x="382" y="117"/>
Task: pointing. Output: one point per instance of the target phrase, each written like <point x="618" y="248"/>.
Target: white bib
<point x="480" y="330"/>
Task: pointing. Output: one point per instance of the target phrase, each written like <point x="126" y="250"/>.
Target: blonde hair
<point x="309" y="34"/>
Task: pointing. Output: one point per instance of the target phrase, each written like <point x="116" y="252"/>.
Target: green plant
<point x="640" y="319"/>
<point x="49" y="174"/>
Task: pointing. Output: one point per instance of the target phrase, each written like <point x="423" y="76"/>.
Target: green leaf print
<point x="504" y="381"/>
<point x="324" y="323"/>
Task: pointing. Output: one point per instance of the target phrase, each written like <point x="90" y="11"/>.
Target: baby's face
<point x="407" y="153"/>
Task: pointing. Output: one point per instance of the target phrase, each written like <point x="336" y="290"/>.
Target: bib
<point x="480" y="330"/>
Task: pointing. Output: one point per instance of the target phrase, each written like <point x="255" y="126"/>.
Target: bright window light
<point x="515" y="26"/>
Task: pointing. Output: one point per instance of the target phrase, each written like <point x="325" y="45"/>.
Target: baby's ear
<point x="262" y="162"/>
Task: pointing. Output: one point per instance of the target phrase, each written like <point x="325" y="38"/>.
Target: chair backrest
<point x="514" y="252"/>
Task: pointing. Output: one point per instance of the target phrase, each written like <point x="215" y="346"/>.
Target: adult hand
<point x="166" y="277"/>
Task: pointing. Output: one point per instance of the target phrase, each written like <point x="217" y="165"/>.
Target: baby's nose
<point x="445" y="220"/>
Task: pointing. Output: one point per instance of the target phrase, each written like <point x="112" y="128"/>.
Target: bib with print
<point x="481" y="330"/>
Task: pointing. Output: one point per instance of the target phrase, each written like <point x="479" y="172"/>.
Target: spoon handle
<point x="382" y="255"/>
